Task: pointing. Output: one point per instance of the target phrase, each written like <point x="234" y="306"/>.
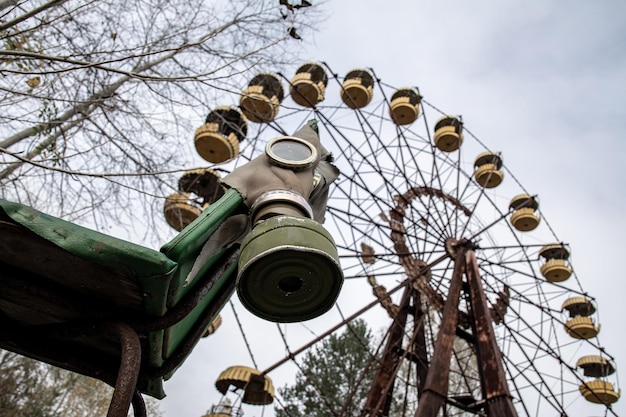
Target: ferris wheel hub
<point x="453" y="245"/>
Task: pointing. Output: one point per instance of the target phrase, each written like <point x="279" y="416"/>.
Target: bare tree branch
<point x="7" y="3"/>
<point x="99" y="99"/>
<point x="35" y="11"/>
<point x="83" y="108"/>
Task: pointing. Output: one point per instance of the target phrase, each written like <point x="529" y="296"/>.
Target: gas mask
<point x="288" y="264"/>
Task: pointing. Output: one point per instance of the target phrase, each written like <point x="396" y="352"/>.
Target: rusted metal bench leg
<point x="139" y="406"/>
<point x="126" y="383"/>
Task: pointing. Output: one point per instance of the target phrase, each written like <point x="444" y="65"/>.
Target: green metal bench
<point x="105" y="307"/>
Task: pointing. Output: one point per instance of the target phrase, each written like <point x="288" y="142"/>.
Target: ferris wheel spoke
<point x="539" y="385"/>
<point x="353" y="217"/>
<point x="369" y="132"/>
<point x="556" y="287"/>
<point x="362" y="183"/>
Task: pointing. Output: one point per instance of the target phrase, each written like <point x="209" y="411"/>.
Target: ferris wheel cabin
<point x="357" y="89"/>
<point x="308" y="85"/>
<point x="260" y="101"/>
<point x="196" y="190"/>
<point x="258" y="389"/>
<point x="555" y="268"/>
<point x="448" y="133"/>
<point x="524" y="217"/>
<point x="218" y="139"/>
<point x="404" y="108"/>
<point x="580" y="325"/>
<point x="487" y="169"/>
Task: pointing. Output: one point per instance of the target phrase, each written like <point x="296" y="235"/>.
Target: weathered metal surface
<point x="419" y="344"/>
<point x="493" y="378"/>
<point x="436" y="385"/>
<point x="130" y="360"/>
<point x="415" y="269"/>
<point x="379" y="397"/>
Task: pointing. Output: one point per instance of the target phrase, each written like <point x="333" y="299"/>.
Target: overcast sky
<point x="544" y="82"/>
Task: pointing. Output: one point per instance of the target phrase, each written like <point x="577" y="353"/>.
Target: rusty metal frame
<point x="497" y="400"/>
<point x="129" y="369"/>
<point x="493" y="378"/>
<point x="436" y="385"/>
<point x="432" y="384"/>
<point x="379" y="397"/>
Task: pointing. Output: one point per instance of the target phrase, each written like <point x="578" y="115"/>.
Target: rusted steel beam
<point x="436" y="385"/>
<point x="419" y="345"/>
<point x="493" y="377"/>
<point x="416" y="350"/>
<point x="415" y="269"/>
<point x="379" y="397"/>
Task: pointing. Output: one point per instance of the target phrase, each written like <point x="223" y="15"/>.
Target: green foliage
<point x="341" y="368"/>
<point x="28" y="387"/>
<point x="35" y="389"/>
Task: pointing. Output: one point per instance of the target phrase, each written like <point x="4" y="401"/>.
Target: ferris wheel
<point x="484" y="311"/>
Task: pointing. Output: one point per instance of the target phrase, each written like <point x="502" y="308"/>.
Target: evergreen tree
<point x="337" y="372"/>
<point x="35" y="389"/>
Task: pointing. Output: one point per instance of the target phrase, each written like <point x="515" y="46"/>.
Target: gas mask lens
<point x="291" y="152"/>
